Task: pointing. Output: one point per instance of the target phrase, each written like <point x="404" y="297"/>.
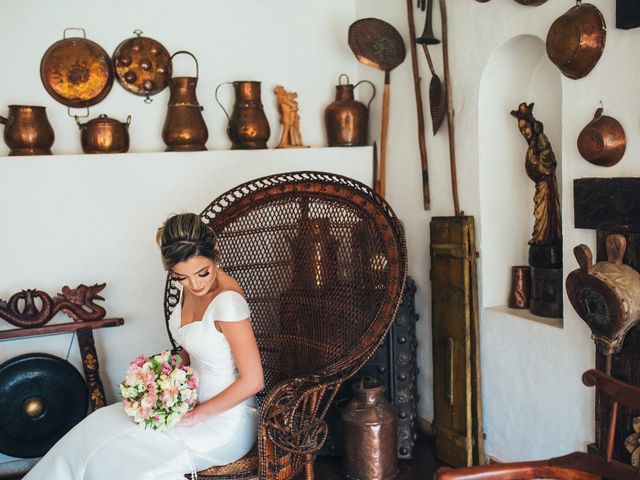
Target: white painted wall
<point x="535" y="404"/>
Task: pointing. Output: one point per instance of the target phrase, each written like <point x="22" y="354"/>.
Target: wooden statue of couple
<point x="289" y="117"/>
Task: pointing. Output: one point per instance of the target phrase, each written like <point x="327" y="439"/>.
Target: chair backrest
<point x="322" y="261"/>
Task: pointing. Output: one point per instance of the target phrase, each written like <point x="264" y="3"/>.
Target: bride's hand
<point x="190" y="418"/>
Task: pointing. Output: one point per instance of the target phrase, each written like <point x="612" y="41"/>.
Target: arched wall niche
<point x="517" y="71"/>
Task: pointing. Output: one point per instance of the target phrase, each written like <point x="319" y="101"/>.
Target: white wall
<point x="70" y="219"/>
<point x="534" y="402"/>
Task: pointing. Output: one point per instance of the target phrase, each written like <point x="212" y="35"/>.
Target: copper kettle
<point x="104" y="135"/>
<point x="346" y="119"/>
<point x="603" y="141"/>
<point x="27" y="130"/>
<point x="184" y="129"/>
<point x="248" y="127"/>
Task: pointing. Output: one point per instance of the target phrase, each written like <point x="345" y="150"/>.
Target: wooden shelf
<point x="59" y="328"/>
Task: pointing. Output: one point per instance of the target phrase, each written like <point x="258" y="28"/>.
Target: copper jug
<point x="27" y="130"/>
<point x="184" y="128"/>
<point x="346" y="119"/>
<point x="248" y="127"/>
<point x="369" y="427"/>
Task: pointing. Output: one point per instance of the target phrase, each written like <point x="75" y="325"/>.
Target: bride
<point x="211" y="322"/>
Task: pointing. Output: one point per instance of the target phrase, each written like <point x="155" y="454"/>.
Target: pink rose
<point x="139" y="361"/>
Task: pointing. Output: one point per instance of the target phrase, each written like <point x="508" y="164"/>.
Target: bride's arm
<point x="250" y="377"/>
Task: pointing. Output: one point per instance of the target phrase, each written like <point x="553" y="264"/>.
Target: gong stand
<point x="612" y="205"/>
<point x="30" y="310"/>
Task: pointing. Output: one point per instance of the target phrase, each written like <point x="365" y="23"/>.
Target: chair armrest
<point x="293" y="411"/>
<point x="511" y="471"/>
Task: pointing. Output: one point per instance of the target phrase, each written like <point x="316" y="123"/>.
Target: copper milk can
<point x="27" y="130"/>
<point x="248" y="127"/>
<point x="346" y="119"/>
<point x="184" y="128"/>
<point x="369" y="425"/>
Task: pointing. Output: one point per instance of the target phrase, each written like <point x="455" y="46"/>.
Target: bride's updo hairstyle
<point x="183" y="236"/>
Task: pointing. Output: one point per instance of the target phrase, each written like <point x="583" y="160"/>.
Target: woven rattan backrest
<point x="322" y="262"/>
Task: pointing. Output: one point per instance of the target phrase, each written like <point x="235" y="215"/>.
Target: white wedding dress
<point x="108" y="445"/>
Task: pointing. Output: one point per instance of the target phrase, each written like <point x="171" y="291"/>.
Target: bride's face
<point x="198" y="274"/>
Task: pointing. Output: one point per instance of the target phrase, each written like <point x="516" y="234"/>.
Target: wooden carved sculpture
<point x="78" y="303"/>
<point x="540" y="165"/>
<point x="289" y="117"/>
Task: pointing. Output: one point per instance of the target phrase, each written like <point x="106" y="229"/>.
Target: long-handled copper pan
<point x="378" y="44"/>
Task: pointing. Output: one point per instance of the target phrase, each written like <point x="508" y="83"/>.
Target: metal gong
<point x="41" y="398"/>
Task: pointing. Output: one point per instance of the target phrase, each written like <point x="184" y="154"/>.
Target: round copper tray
<point x="76" y="72"/>
<point x="142" y="65"/>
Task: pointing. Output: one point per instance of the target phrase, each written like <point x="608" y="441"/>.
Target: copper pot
<point x="347" y="120"/>
<point x="184" y="129"/>
<point x="104" y="135"/>
<point x="576" y="39"/>
<point x="603" y="141"/>
<point x="248" y="127"/>
<point x="27" y="130"/>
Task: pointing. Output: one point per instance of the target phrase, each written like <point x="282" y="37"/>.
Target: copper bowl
<point x="603" y="141"/>
<point x="576" y="39"/>
<point x="531" y="3"/>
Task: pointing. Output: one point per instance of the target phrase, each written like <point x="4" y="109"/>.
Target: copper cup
<point x="520" y="292"/>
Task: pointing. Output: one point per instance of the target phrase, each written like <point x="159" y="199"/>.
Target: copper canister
<point x="27" y="130"/>
<point x="346" y="119"/>
<point x="520" y="292"/>
<point x="369" y="425"/>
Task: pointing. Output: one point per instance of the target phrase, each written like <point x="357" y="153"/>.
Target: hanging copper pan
<point x="603" y="141"/>
<point x="76" y="72"/>
<point x="142" y="65"/>
<point x="576" y="39"/>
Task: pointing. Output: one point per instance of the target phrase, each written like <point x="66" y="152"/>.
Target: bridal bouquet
<point x="158" y="390"/>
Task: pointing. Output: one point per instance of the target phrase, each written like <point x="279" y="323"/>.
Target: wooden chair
<point x="322" y="261"/>
<point x="576" y="465"/>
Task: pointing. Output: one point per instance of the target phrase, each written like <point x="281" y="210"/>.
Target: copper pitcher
<point x="603" y="141"/>
<point x="369" y="427"/>
<point x="346" y="119"/>
<point x="248" y="127"/>
<point x="27" y="130"/>
<point x="184" y="128"/>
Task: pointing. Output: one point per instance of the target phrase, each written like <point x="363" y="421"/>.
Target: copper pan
<point x="576" y="39"/>
<point x="603" y="141"/>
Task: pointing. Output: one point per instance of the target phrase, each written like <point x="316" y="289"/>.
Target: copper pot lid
<point x="575" y="40"/>
<point x="142" y="65"/>
<point x="76" y="72"/>
<point x="103" y="119"/>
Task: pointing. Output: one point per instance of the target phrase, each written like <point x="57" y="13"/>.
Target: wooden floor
<point x="420" y="468"/>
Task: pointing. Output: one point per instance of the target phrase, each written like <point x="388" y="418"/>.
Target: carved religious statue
<point x="289" y="117"/>
<point x="540" y="164"/>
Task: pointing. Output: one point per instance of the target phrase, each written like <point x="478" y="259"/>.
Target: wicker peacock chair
<point x="322" y="261"/>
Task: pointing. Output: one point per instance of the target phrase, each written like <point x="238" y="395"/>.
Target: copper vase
<point x="184" y="128"/>
<point x="369" y="426"/>
<point x="346" y="119"/>
<point x="520" y="292"/>
<point x="27" y="130"/>
<point x="248" y="127"/>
